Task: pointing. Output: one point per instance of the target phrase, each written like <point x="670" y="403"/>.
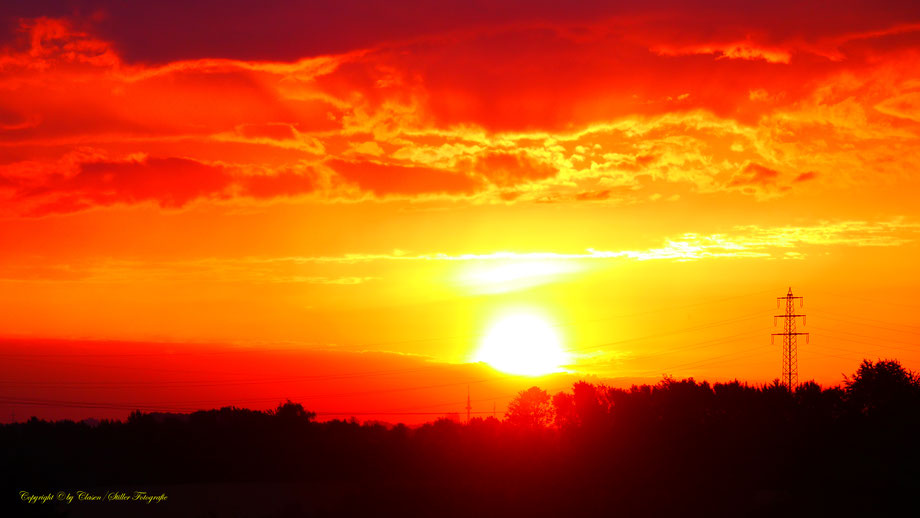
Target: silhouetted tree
<point x="882" y="387"/>
<point x="675" y="448"/>
<point x="590" y="403"/>
<point x="531" y="408"/>
<point x="294" y="412"/>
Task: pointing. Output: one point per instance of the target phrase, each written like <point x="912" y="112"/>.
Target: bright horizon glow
<point x="523" y="343"/>
<point x="514" y="275"/>
<point x="372" y="195"/>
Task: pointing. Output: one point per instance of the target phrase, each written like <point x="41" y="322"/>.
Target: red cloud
<point x="509" y="169"/>
<point x="273" y="131"/>
<point x="593" y="195"/>
<point x="757" y="179"/>
<point x="731" y="50"/>
<point x="383" y="180"/>
<point x="755" y="174"/>
<point x="545" y="68"/>
<point x="461" y="91"/>
<point x="540" y="79"/>
<point x="284" y="183"/>
<point x="170" y="182"/>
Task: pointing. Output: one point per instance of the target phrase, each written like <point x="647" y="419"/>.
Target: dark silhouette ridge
<point x="677" y="448"/>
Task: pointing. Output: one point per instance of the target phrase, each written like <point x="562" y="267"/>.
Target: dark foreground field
<point x="679" y="448"/>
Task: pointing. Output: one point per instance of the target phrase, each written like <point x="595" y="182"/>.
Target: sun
<point x="523" y="343"/>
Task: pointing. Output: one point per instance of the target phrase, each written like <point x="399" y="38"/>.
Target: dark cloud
<point x="504" y="66"/>
<point x="170" y="30"/>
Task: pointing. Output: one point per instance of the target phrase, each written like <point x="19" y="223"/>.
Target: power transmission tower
<point x="469" y="406"/>
<point x="790" y="356"/>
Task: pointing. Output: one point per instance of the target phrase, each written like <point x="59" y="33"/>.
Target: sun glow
<point x="523" y="343"/>
<point x="513" y="275"/>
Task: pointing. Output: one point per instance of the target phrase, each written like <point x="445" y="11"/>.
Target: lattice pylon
<point x="790" y="350"/>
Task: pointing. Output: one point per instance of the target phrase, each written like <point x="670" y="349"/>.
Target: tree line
<point x="678" y="447"/>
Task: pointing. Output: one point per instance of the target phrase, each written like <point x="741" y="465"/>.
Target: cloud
<point x="492" y="271"/>
<point x="730" y="50"/>
<point x="273" y="131"/>
<point x="905" y="106"/>
<point x="282" y="183"/>
<point x="385" y="179"/>
<point x="505" y="104"/>
<point x="895" y="232"/>
<point x="593" y="195"/>
<point x="227" y="270"/>
<point x="286" y="31"/>
<point x="756" y="174"/>
<point x="170" y="182"/>
<point x="81" y="182"/>
<point x="743" y="241"/>
<point x="508" y="169"/>
<point x="757" y="179"/>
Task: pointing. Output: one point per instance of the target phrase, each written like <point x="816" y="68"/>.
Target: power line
<point x="672" y="332"/>
<point x="874" y="301"/>
<point x="852" y="319"/>
<point x="697" y="345"/>
<point x="712" y="360"/>
<point x="872" y="337"/>
<point x="863" y="342"/>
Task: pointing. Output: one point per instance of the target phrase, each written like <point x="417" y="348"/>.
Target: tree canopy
<point x="531" y="408"/>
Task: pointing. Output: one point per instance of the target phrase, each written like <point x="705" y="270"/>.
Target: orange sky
<point x="219" y="204"/>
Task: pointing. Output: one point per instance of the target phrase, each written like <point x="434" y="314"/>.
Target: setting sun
<point x="523" y="343"/>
